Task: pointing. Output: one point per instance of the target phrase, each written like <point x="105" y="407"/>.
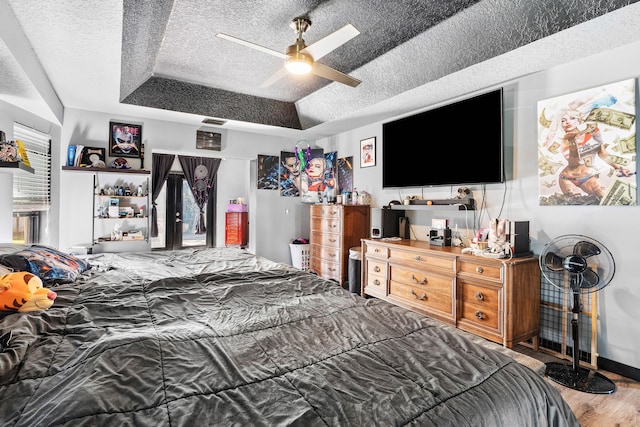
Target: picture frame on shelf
<point x="368" y="152"/>
<point x="93" y="157"/>
<point x="125" y="140"/>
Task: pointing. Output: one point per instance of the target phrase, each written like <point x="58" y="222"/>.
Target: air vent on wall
<point x="214" y="122"/>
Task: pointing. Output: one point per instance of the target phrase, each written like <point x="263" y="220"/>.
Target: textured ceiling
<point x="161" y="58"/>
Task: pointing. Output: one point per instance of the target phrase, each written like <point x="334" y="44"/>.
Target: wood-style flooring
<point x="619" y="409"/>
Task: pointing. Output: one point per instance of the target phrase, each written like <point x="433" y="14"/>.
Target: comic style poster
<point x="587" y="147"/>
<point x="290" y="174"/>
<point x="345" y="173"/>
<point x="268" y="172"/>
<point x="319" y="181"/>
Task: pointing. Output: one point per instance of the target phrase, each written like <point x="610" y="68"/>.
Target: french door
<point x="178" y="214"/>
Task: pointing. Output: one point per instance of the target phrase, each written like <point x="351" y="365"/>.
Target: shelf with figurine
<point x="16" y="166"/>
<point x="93" y="159"/>
<point x="121" y="211"/>
<point x="13" y="155"/>
<point x="436" y="204"/>
<point x="93" y="169"/>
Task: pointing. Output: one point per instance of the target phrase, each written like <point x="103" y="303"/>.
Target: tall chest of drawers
<point x="334" y="230"/>
<point x="498" y="299"/>
<point x="236" y="230"/>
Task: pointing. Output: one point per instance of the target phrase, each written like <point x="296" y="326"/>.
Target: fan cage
<point x="555" y="323"/>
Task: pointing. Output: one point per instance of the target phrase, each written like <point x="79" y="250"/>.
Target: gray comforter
<point x="220" y="337"/>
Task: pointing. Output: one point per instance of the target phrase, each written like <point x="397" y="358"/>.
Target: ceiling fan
<point x="302" y="59"/>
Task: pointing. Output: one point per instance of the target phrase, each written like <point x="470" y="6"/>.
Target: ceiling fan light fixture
<point x="299" y="63"/>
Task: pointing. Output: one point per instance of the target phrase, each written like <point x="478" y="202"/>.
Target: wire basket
<point x="300" y="255"/>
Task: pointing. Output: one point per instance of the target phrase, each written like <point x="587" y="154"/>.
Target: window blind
<point x="32" y="192"/>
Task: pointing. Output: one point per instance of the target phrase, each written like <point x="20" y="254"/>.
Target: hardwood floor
<point x="619" y="409"/>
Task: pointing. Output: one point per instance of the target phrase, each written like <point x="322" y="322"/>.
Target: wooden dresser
<point x="498" y="299"/>
<point x="236" y="230"/>
<point x="334" y="230"/>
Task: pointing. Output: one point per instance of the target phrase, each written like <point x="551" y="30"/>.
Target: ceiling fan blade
<point x="589" y="279"/>
<point x="586" y="249"/>
<point x="335" y="75"/>
<point x="553" y="262"/>
<point x="252" y="45"/>
<point x="275" y="77"/>
<point x="333" y="41"/>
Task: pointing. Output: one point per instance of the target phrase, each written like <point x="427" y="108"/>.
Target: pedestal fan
<point x="581" y="265"/>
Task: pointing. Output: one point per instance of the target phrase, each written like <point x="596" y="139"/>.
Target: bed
<point x="220" y="336"/>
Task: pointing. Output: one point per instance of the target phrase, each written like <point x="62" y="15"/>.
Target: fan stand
<point x="575" y="376"/>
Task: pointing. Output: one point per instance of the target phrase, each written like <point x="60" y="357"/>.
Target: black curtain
<point x="160" y="167"/>
<point x="200" y="173"/>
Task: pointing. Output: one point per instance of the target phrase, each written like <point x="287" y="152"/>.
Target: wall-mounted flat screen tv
<point x="454" y="144"/>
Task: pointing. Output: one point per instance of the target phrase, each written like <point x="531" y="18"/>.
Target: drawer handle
<point x="332" y="269"/>
<point x="332" y="240"/>
<point x="422" y="298"/>
<point x="332" y="255"/>
<point x="376" y="282"/>
<point x="479" y="270"/>
<point x="418" y="282"/>
<point x="376" y="250"/>
<point x="418" y="258"/>
<point x="479" y="296"/>
<point x="479" y="315"/>
<point x="376" y="269"/>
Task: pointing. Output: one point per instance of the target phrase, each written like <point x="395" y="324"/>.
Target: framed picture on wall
<point x="208" y="140"/>
<point x="125" y="140"/>
<point x="368" y="152"/>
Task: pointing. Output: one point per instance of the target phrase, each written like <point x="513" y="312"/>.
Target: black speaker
<point x="385" y="222"/>
<point x="519" y="238"/>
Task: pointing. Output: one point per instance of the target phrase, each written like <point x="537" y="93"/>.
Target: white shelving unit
<point x="119" y="216"/>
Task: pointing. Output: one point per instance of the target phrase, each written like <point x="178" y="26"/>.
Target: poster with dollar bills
<point x="587" y="147"/>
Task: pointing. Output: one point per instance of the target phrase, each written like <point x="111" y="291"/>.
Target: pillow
<point x="50" y="265"/>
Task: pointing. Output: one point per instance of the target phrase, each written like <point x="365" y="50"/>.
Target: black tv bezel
<point x="498" y="177"/>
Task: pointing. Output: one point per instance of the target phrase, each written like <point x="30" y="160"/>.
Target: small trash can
<point x="355" y="267"/>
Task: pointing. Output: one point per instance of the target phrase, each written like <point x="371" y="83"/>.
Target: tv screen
<point x="455" y="144"/>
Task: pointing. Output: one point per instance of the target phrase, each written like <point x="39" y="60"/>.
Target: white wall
<point x="615" y="227"/>
<point x="8" y="115"/>
<point x="239" y="151"/>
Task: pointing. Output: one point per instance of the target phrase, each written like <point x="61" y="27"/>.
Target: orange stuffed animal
<point x="22" y="291"/>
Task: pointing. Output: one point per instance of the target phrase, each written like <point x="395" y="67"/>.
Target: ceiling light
<point x="299" y="62"/>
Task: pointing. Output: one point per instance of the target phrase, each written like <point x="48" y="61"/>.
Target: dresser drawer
<point x="422" y="296"/>
<point x="327" y="269"/>
<point x="425" y="260"/>
<point x="326" y="211"/>
<point x="482" y="296"/>
<point x="375" y="277"/>
<point x="331" y="225"/>
<point x="480" y="305"/>
<point x="480" y="270"/>
<point x="378" y="251"/>
<point x="377" y="268"/>
<point x="326" y="253"/>
<point x="425" y="279"/>
<point x="326" y="239"/>
<point x="376" y="286"/>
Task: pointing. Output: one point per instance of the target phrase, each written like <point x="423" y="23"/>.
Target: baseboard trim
<point x="619" y="368"/>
